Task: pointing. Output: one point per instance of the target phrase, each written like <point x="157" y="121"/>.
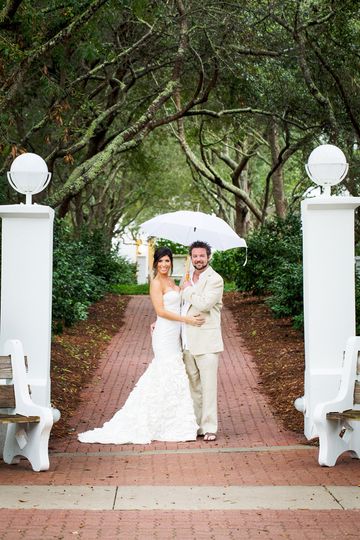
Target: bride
<point x="160" y="406"/>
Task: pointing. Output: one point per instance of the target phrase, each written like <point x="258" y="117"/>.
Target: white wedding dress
<point x="160" y="406"/>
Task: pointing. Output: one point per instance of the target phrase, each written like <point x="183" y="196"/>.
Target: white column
<point x="26" y="288"/>
<point x="179" y="266"/>
<point x="142" y="269"/>
<point x="329" y="295"/>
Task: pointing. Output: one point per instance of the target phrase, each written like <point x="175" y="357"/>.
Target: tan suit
<point x="202" y="347"/>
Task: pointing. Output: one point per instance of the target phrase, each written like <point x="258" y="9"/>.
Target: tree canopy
<point x="110" y="92"/>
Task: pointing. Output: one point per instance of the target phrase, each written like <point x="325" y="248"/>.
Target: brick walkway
<point x="252" y="450"/>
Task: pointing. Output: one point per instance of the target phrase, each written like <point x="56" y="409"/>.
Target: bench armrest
<point x="345" y="397"/>
<point x="23" y="403"/>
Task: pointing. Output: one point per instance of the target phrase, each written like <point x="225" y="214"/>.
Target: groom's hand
<point x="187" y="284"/>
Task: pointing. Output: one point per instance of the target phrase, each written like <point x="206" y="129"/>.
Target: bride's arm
<point x="156" y="296"/>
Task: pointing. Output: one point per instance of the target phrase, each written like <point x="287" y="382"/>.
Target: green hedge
<point x="84" y="269"/>
<point x="286" y="299"/>
<point x="270" y="248"/>
<point x="133" y="288"/>
<point x="227" y="263"/>
<point x="274" y="266"/>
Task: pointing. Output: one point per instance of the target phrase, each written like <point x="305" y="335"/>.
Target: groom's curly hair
<point x="200" y="244"/>
<point x="159" y="253"/>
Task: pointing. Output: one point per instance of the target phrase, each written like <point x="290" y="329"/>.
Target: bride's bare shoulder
<point x="155" y="286"/>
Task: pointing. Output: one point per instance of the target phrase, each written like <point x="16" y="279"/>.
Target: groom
<point x="201" y="344"/>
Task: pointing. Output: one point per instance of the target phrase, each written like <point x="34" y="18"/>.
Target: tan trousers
<point x="202" y="372"/>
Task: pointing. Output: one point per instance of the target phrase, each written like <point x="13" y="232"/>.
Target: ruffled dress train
<point x="160" y="406"/>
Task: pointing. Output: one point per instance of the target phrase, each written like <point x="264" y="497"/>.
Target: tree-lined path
<point x="255" y="481"/>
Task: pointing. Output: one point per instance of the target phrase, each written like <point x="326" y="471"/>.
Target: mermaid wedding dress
<point x="160" y="406"/>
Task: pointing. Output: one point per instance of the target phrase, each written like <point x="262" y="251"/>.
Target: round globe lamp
<point x="29" y="175"/>
<point x="327" y="167"/>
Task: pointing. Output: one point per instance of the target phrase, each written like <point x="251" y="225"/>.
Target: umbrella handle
<point x="187" y="269"/>
<point x="246" y="256"/>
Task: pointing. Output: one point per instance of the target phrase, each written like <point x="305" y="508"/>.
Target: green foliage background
<point x="83" y="271"/>
<point x="273" y="268"/>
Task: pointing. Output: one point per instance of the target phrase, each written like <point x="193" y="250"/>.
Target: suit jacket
<point x="205" y="297"/>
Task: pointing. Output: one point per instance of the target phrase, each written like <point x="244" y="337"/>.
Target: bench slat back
<point x="7" y="396"/>
<point x="357" y="393"/>
<point x="5" y="367"/>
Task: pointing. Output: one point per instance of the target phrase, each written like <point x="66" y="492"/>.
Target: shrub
<point x="268" y="248"/>
<point x="274" y="267"/>
<point x="126" y="271"/>
<point x="75" y="285"/>
<point x="108" y="264"/>
<point x="83" y="271"/>
<point x="286" y="289"/>
<point x="227" y="263"/>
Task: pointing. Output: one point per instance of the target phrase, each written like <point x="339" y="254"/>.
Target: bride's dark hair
<point x="159" y="253"/>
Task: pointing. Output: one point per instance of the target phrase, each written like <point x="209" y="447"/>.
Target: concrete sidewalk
<point x="255" y="481"/>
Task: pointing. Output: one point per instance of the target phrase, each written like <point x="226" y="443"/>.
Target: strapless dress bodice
<point x="171" y="300"/>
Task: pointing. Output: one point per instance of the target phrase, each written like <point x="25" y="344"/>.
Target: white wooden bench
<point x="29" y="424"/>
<point x="337" y="421"/>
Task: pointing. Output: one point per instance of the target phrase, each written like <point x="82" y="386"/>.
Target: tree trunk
<point x="242" y="218"/>
<point x="242" y="215"/>
<point x="277" y="176"/>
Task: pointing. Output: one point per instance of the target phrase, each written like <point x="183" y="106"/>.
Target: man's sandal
<point x="210" y="437"/>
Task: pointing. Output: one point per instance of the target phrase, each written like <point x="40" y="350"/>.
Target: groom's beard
<point x="200" y="265"/>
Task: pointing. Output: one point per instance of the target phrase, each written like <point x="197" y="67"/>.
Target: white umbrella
<point x="185" y="227"/>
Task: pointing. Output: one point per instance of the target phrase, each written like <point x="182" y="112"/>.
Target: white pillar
<point x="142" y="269"/>
<point x="329" y="296"/>
<point x="26" y="289"/>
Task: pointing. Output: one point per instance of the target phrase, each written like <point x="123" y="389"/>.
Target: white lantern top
<point x="29" y="175"/>
<point x="327" y="166"/>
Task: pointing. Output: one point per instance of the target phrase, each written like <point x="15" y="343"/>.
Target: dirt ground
<point x="276" y="346"/>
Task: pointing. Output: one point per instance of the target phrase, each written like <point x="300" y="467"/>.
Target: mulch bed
<point x="76" y="352"/>
<point x="278" y="351"/>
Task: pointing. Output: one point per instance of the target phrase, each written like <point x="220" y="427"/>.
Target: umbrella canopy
<point x="185" y="227"/>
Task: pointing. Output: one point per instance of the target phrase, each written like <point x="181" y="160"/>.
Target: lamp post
<point x="26" y="273"/>
<point x="329" y="281"/>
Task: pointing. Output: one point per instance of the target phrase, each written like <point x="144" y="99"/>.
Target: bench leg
<point x="335" y="438"/>
<point x="30" y="441"/>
